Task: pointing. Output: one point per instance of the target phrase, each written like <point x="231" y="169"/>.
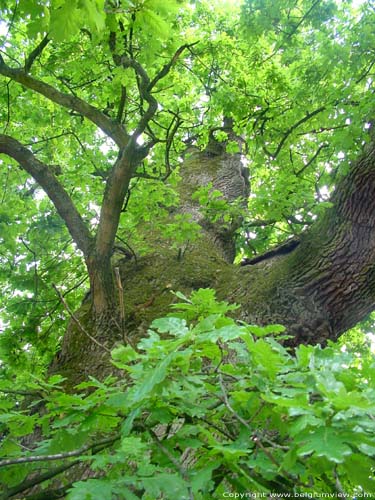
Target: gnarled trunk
<point x="318" y="289"/>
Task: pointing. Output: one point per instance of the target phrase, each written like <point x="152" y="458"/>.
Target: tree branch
<point x="180" y="468"/>
<point x="129" y="157"/>
<point x="55" y="191"/>
<point x="167" y="67"/>
<point x="121" y="106"/>
<point x="57" y="456"/>
<point x="116" y="187"/>
<point x="110" y="127"/>
<point x="29" y="483"/>
<point x="229" y="406"/>
<point x="312" y="159"/>
<point x="145" y="94"/>
<point x="293" y="127"/>
<point x="122" y="171"/>
<point x="36" y="53"/>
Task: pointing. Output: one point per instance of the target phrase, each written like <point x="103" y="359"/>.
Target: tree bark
<point x="317" y="290"/>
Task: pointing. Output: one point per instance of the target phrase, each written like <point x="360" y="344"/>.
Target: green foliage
<point x="182" y="230"/>
<point x="215" y="208"/>
<point x="205" y="406"/>
<point x="295" y="77"/>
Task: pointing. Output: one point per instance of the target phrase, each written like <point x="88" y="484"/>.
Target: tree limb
<point x="180" y="468"/>
<point x="35" y="53"/>
<point x="121" y="106"/>
<point x="57" y="456"/>
<point x="29" y="483"/>
<point x="312" y="159"/>
<point x="114" y="194"/>
<point x="166" y="68"/>
<point x="110" y="127"/>
<point x="130" y="156"/>
<point x="122" y="171"/>
<point x="293" y="127"/>
<point x="55" y="191"/>
<point x="144" y="90"/>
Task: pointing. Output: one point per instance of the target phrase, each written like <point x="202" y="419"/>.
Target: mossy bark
<point x="318" y="290"/>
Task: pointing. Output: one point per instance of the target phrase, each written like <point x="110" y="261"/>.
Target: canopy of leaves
<point x="296" y="77"/>
<point x="217" y="408"/>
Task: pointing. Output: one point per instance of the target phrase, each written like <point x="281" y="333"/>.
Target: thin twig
<point x="57" y="456"/>
<point x="312" y="159"/>
<point x="8" y="109"/>
<point x="181" y="469"/>
<point x="214" y="426"/>
<point x="228" y="405"/>
<point x="291" y="129"/>
<point x="171" y="132"/>
<point x="22" y="393"/>
<point x="131" y="250"/>
<point x="36" y="276"/>
<point x="120" y="298"/>
<point x="76" y="320"/>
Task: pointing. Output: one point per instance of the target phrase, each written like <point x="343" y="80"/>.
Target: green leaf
<point x="91" y="489"/>
<point x="323" y="442"/>
<point x="171" y="485"/>
<point x="122" y="355"/>
<point x="153" y="377"/>
<point x="65" y="20"/>
<point x="360" y="469"/>
<point x="175" y="326"/>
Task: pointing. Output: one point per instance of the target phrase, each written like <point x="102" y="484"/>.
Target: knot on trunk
<point x="226" y="178"/>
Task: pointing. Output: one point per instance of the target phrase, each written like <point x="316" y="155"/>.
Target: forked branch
<point x="36" y="53"/>
<point x="129" y="157"/>
<point x="54" y="189"/>
<point x="110" y="127"/>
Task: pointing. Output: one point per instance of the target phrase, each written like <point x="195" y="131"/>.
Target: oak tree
<point x="154" y="146"/>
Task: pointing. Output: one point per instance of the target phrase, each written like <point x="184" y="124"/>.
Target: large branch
<point x="116" y="188"/>
<point x="55" y="191"/>
<point x="326" y="284"/>
<point x="129" y="157"/>
<point x="111" y="128"/>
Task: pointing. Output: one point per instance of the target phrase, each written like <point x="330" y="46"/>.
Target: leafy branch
<point x="291" y="129"/>
<point x="110" y="127"/>
<point x="39" y="479"/>
<point x="129" y="157"/>
<point x="58" y="456"/>
<point x="44" y="175"/>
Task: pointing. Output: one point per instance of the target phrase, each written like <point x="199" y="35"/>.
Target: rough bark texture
<point x="318" y="290"/>
<point x="228" y="175"/>
<point x="326" y="284"/>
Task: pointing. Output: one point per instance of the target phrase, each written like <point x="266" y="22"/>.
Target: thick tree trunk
<point x="322" y="287"/>
<point x="327" y="283"/>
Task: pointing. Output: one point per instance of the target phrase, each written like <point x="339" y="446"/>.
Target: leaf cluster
<point x="204" y="406"/>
